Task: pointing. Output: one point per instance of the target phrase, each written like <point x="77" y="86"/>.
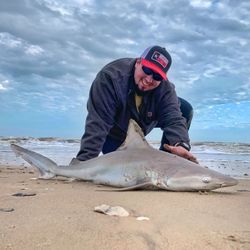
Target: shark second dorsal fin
<point x="135" y="137"/>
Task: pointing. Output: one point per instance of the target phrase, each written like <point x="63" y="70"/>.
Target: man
<point x="135" y="88"/>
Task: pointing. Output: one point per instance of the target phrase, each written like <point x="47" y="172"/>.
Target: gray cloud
<point x="50" y="51"/>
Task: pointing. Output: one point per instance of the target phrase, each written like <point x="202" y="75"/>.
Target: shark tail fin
<point x="45" y="166"/>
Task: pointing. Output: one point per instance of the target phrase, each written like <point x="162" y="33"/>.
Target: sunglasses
<point x="148" y="71"/>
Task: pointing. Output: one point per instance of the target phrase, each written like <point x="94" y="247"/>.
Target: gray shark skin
<point x="135" y="165"/>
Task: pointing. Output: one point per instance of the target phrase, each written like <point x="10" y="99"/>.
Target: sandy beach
<point x="59" y="214"/>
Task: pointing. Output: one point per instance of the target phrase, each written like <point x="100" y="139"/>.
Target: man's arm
<point x="175" y="136"/>
<point x="171" y="120"/>
<point x="102" y="106"/>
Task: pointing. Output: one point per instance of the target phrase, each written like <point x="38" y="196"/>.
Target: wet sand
<point x="59" y="215"/>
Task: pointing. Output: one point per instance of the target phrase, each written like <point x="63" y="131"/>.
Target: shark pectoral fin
<point x="135" y="187"/>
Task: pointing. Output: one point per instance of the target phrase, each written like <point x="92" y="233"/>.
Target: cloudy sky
<point x="51" y="50"/>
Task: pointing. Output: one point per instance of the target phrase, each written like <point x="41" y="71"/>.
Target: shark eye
<point x="206" y="179"/>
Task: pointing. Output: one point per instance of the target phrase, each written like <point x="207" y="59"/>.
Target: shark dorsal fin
<point x="135" y="137"/>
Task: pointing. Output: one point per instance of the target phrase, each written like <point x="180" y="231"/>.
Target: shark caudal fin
<point x="45" y="166"/>
<point x="135" y="137"/>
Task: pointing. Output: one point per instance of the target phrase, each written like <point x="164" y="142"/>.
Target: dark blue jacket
<point x="111" y="104"/>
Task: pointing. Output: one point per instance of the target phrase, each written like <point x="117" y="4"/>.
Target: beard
<point x="138" y="91"/>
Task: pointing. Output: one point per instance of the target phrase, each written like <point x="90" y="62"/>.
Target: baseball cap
<point x="158" y="59"/>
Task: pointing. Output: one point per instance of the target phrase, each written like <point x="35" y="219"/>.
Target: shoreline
<point x="59" y="215"/>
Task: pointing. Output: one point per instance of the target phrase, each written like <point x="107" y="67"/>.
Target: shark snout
<point x="229" y="181"/>
<point x="199" y="182"/>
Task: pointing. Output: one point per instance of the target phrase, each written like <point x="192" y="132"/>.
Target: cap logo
<point x="160" y="58"/>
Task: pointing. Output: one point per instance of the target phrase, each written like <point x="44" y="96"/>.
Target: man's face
<point x="143" y="81"/>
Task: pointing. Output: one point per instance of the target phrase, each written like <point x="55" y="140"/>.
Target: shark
<point x="134" y="165"/>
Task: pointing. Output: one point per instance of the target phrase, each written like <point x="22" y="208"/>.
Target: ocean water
<point x="228" y="158"/>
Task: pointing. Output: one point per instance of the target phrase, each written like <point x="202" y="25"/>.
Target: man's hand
<point x="180" y="151"/>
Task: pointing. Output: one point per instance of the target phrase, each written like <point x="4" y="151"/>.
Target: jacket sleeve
<point x="171" y="120"/>
<point x="102" y="106"/>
